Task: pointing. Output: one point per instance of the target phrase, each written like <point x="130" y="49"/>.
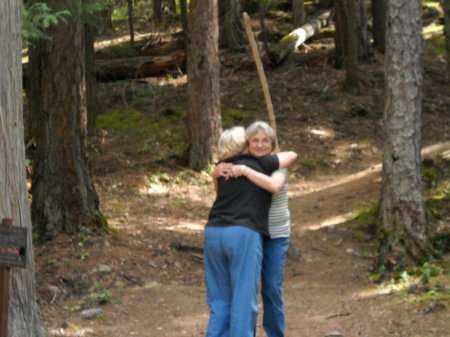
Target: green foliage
<point x="436" y="45"/>
<point x="37" y="18"/>
<point x="101" y="297"/>
<point x="119" y="120"/>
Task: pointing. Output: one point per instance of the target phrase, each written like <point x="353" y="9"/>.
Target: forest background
<point x="144" y="272"/>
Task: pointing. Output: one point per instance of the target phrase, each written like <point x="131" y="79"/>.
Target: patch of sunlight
<point x="432" y="30"/>
<point x="72" y="331"/>
<point x="331" y="221"/>
<point x="182" y="226"/>
<point x="322" y="133"/>
<point x="153" y="189"/>
<point x="382" y="290"/>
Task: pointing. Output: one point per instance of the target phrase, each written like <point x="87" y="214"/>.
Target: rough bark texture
<point x="346" y="40"/>
<point x="92" y="106"/>
<point x="24" y="319"/>
<point x="117" y="69"/>
<point x="204" y="120"/>
<point x="231" y="30"/>
<point x="379" y="25"/>
<point x="298" y="12"/>
<point x="404" y="225"/>
<point x="447" y="32"/>
<point x="64" y="199"/>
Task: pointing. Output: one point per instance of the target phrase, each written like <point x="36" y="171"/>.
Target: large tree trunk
<point x="64" y="198"/>
<point x="204" y="120"/>
<point x="24" y="319"/>
<point x="379" y="24"/>
<point x="231" y="31"/>
<point x="92" y="106"/>
<point x="298" y="13"/>
<point x="404" y="229"/>
<point x="294" y="39"/>
<point x="184" y="22"/>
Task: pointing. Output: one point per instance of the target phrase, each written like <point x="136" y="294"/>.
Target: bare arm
<point x="273" y="183"/>
<point x="286" y="158"/>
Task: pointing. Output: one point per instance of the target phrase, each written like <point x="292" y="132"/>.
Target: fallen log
<point x="294" y="39"/>
<point x="137" y="67"/>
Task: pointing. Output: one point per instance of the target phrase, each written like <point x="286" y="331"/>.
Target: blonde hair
<point x="232" y="142"/>
<point x="257" y="126"/>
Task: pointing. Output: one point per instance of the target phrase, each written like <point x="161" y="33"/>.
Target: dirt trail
<point x="326" y="290"/>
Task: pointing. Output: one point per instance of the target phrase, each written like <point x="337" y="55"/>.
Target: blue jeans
<point x="232" y="257"/>
<point x="274" y="260"/>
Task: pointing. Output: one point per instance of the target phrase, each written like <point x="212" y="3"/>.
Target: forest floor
<point x="147" y="276"/>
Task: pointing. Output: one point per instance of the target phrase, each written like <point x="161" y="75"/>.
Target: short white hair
<point x="232" y="142"/>
<point x="257" y="126"/>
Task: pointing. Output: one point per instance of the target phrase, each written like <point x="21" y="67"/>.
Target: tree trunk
<point x="346" y="39"/>
<point x="297" y="37"/>
<point x="325" y="4"/>
<point x="106" y="26"/>
<point x="204" y="120"/>
<point x="184" y="22"/>
<point x="157" y="10"/>
<point x="379" y="25"/>
<point x="136" y="67"/>
<point x="23" y="316"/>
<point x="362" y="33"/>
<point x="92" y="106"/>
<point x="404" y="225"/>
<point x="298" y="13"/>
<point x="231" y="31"/>
<point x="172" y="5"/>
<point x="446" y="7"/>
<point x="131" y="21"/>
<point x="64" y="198"/>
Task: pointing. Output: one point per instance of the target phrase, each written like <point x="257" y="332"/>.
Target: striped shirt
<point x="279" y="216"/>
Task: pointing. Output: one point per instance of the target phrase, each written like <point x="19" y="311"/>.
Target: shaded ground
<point x="148" y="270"/>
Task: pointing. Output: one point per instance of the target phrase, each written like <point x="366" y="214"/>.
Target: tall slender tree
<point x="298" y="13"/>
<point x="24" y="319"/>
<point x="379" y="24"/>
<point x="230" y="24"/>
<point x="64" y="198"/>
<point x="404" y="229"/>
<point x="203" y="67"/>
<point x="446" y="5"/>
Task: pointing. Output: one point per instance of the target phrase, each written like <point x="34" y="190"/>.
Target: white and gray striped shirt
<point x="279" y="216"/>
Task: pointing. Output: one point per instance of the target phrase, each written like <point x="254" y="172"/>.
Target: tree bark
<point x="297" y="37"/>
<point x="23" y="317"/>
<point x="184" y="22"/>
<point x="204" y="120"/>
<point x="346" y="41"/>
<point x="362" y="33"/>
<point x="92" y="106"/>
<point x="446" y="7"/>
<point x="118" y="69"/>
<point x="231" y="31"/>
<point x="298" y="13"/>
<point x="379" y="25"/>
<point x="404" y="228"/>
<point x="157" y="10"/>
<point x="130" y="21"/>
<point x="64" y="198"/>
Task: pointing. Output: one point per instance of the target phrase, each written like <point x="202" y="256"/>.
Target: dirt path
<point x="326" y="290"/>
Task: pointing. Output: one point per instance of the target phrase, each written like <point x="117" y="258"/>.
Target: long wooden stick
<point x="259" y="66"/>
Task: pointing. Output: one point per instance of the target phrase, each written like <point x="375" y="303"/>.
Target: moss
<point x="117" y="120"/>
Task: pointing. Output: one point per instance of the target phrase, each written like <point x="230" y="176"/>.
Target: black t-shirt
<point x="239" y="202"/>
